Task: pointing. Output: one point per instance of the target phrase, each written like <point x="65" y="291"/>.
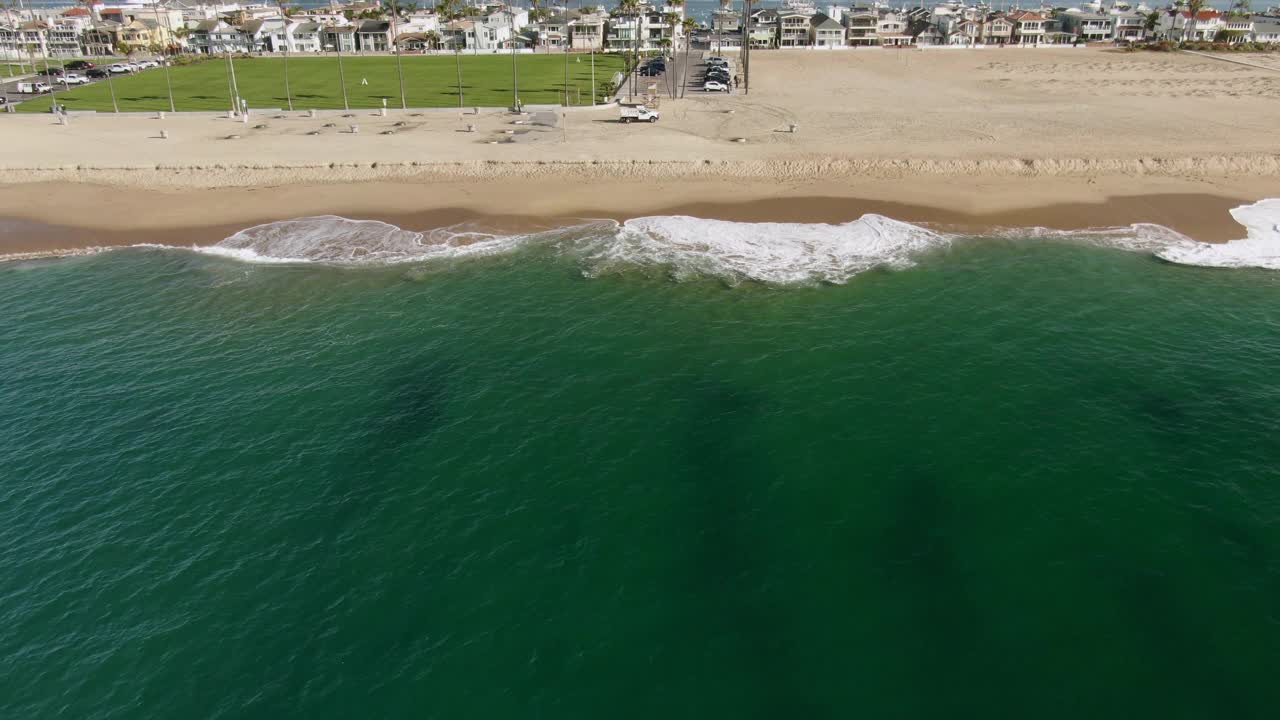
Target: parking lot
<point x="9" y="86"/>
<point x="708" y="75"/>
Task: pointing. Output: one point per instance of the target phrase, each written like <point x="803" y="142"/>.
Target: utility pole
<point x="746" y="47"/>
<point x="168" y="83"/>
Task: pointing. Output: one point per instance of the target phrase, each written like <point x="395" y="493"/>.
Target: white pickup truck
<point x="638" y="113"/>
<point x="31" y="88"/>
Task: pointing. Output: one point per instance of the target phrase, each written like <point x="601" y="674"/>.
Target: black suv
<point x="79" y="65"/>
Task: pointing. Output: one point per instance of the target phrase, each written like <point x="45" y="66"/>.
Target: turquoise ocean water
<point x="1029" y="475"/>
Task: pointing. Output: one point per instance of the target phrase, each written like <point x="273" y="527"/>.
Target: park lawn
<point x="430" y="81"/>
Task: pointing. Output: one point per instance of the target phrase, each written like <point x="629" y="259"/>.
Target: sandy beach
<point x="1064" y="138"/>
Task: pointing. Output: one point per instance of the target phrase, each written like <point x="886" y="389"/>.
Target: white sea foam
<point x="781" y="253"/>
<point x="775" y="253"/>
<point x="342" y="241"/>
<point x="1259" y="249"/>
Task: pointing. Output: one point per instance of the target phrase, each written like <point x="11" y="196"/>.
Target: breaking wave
<point x="774" y="253"/>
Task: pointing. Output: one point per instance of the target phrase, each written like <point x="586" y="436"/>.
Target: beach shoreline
<point x="111" y="216"/>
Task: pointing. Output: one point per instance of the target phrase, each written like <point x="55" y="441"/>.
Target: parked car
<point x="650" y="70"/>
<point x="133" y="66"/>
<point x="79" y="65"/>
<point x="97" y="72"/>
<point x="717" y="77"/>
<point x="33" y="88"/>
<point x="119" y="69"/>
<point x="51" y="72"/>
<point x="73" y="79"/>
<point x="144" y="64"/>
<point x="715" y="86"/>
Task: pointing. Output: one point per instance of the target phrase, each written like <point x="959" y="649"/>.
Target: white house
<point x="824" y="31"/>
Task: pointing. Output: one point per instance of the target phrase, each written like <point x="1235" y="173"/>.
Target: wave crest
<point x="343" y="241"/>
<point x="774" y="253"/>
<point x="779" y="253"/>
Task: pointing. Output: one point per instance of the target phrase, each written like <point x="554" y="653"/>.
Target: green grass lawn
<point x="430" y="81"/>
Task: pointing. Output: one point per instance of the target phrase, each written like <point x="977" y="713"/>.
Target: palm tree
<point x="395" y="10"/>
<point x="1240" y="8"/>
<point x="631" y="9"/>
<point x="167" y="81"/>
<point x="688" y="25"/>
<point x="286" y="12"/>
<point x="672" y="20"/>
<point x="1193" y="8"/>
<point x="1151" y="21"/>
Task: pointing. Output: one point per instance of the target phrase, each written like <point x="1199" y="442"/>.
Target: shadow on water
<point x="919" y="574"/>
<point x="728" y="553"/>
<point x="1186" y="661"/>
<point x="405" y="412"/>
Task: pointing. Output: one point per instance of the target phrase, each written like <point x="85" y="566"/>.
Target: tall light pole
<point x="515" y="74"/>
<point x="342" y="77"/>
<point x="112" y="87"/>
<point x="288" y="94"/>
<point x="167" y="81"/>
<point x="231" y="87"/>
<point x="457" y="54"/>
<point x="395" y="10"/>
<point x="746" y="47"/>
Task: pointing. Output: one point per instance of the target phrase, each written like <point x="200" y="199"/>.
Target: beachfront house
<point x="100" y="38"/>
<point x="211" y="37"/>
<point x="265" y="34"/>
<point x="1266" y="29"/>
<point x="1179" y="26"/>
<point x="552" y="32"/>
<point x="476" y="36"/>
<point x="1130" y="25"/>
<point x="891" y="30"/>
<point x="303" y="37"/>
<point x="1089" y="27"/>
<point x="793" y="28"/>
<point x="762" y="28"/>
<point x="1028" y="27"/>
<point x="646" y="23"/>
<point x="338" y="38"/>
<point x="961" y="31"/>
<point x="997" y="30"/>
<point x="860" y="27"/>
<point x="63" y="40"/>
<point x="373" y="36"/>
<point x="586" y="31"/>
<point x="825" y="32"/>
<point x="9" y="43"/>
<point x="1235" y="29"/>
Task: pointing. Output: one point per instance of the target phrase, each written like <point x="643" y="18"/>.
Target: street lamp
<point x="168" y="83"/>
<point x="342" y="77"/>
